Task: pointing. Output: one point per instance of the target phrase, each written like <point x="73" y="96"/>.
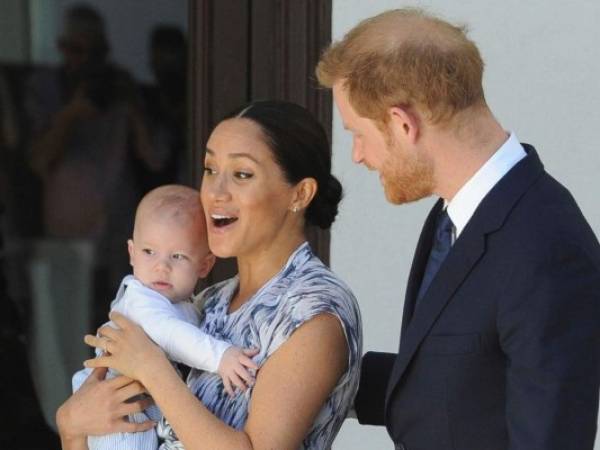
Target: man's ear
<point x="130" y="250"/>
<point x="404" y="123"/>
<point x="206" y="265"/>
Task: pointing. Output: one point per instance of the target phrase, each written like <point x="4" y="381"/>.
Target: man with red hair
<point x="500" y="346"/>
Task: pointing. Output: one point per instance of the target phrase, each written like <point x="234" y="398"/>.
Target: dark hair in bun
<point x="300" y="147"/>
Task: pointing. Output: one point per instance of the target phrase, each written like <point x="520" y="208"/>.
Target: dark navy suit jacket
<point x="503" y="352"/>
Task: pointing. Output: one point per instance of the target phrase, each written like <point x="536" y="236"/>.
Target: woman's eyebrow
<point x="235" y="155"/>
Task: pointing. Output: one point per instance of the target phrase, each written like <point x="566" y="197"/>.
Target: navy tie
<point x="442" y="241"/>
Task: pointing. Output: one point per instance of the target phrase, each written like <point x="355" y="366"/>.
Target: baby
<point x="169" y="254"/>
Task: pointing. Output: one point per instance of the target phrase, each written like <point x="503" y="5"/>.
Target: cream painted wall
<point x="541" y="80"/>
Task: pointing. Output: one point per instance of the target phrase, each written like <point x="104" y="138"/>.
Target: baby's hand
<point x="234" y="369"/>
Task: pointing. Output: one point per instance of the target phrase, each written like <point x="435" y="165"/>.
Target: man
<point x="500" y="343"/>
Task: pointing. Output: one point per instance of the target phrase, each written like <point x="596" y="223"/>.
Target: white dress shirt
<point x="468" y="198"/>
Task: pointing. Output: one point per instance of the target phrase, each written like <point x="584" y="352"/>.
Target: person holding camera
<point x="84" y="117"/>
<point x="79" y="125"/>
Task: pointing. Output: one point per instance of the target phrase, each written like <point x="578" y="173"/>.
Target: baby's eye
<point x="179" y="257"/>
<point x="148" y="251"/>
<point x="243" y="175"/>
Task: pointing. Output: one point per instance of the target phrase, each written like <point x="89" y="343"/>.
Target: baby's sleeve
<point x="170" y="329"/>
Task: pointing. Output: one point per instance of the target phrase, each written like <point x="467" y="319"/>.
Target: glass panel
<point x="92" y="115"/>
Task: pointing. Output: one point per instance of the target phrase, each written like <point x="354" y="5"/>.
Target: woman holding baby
<point x="267" y="176"/>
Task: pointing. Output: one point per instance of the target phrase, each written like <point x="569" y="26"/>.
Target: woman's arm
<point x="99" y="407"/>
<point x="290" y="388"/>
<point x="294" y="383"/>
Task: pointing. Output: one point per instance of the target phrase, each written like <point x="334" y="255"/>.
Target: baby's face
<point x="169" y="257"/>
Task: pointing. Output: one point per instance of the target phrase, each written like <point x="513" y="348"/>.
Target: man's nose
<point x="357" y="154"/>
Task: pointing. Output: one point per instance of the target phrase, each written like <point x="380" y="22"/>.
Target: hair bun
<point x="324" y="207"/>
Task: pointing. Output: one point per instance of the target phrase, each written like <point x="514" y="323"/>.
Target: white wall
<point x="541" y="80"/>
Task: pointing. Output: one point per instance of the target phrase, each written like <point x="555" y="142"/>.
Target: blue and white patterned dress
<point x="304" y="288"/>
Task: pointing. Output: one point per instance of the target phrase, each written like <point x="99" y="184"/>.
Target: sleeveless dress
<point x="304" y="288"/>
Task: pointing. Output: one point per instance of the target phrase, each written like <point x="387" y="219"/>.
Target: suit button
<point x="400" y="446"/>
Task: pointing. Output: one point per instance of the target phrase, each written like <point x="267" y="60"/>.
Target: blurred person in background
<point x="161" y="130"/>
<point x="84" y="144"/>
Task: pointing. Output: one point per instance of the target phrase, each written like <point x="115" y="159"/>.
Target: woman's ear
<point x="304" y="192"/>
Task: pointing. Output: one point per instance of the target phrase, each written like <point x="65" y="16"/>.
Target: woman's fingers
<point x="109" y="332"/>
<point x="97" y="375"/>
<point x="130" y="390"/>
<point x="133" y="427"/>
<point x="100" y="361"/>
<point x="128" y="350"/>
<point x="91" y="340"/>
<point x="120" y="382"/>
<point x="120" y="320"/>
<point x="134" y="406"/>
<point x="102" y="343"/>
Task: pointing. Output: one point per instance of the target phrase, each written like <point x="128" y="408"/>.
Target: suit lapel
<point x="460" y="261"/>
<point x="419" y="263"/>
<point x="464" y="255"/>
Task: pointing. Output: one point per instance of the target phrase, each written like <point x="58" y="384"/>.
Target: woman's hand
<point x="127" y="349"/>
<point x="99" y="407"/>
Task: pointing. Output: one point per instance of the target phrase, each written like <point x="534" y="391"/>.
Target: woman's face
<point x="246" y="198"/>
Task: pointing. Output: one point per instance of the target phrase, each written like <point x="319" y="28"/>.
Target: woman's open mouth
<point x="220" y="221"/>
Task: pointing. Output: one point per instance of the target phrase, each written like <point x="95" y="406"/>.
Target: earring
<point x="294" y="209"/>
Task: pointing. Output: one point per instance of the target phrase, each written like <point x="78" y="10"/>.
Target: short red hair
<point x="408" y="58"/>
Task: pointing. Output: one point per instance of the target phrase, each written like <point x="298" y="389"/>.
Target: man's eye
<point x="148" y="251"/>
<point x="243" y="175"/>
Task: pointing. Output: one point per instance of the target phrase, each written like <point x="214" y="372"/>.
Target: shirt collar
<point x="468" y="198"/>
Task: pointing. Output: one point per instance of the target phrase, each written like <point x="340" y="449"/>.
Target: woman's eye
<point x="243" y="175"/>
<point x="208" y="170"/>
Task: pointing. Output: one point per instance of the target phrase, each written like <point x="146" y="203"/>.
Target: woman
<point x="267" y="175"/>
